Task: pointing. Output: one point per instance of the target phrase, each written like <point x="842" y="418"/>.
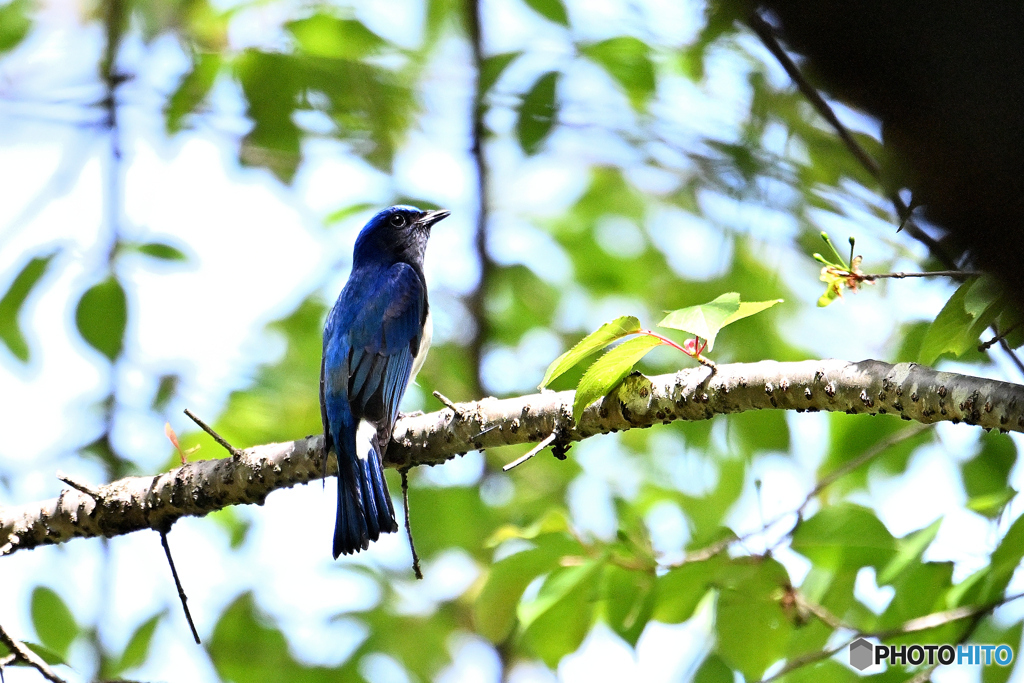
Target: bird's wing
<point x="367" y="365"/>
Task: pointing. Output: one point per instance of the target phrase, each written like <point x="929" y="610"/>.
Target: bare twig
<point x="21" y="652"/>
<point x="999" y="338"/>
<point x="408" y="524"/>
<point x="448" y="403"/>
<point x="235" y="453"/>
<point x="84" y="488"/>
<point x="177" y="584"/>
<point x="548" y="440"/>
<point x="933" y="273"/>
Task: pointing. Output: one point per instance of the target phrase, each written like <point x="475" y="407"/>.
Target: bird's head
<point x="396" y="234"/>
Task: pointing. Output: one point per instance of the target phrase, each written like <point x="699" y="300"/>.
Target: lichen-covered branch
<point x="907" y="390"/>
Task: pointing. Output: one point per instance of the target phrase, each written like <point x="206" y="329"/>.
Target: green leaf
<point x="53" y="621"/>
<point x="956" y="329"/>
<point x="557" y="620"/>
<point x="494" y="611"/>
<point x="449" y="517"/>
<point x="13" y="300"/>
<point x="610" y="369"/>
<point x="14" y="23"/>
<point x="102" y="315"/>
<point x="706" y="320"/>
<point x="553" y="10"/>
<point x="909" y="550"/>
<point x="752" y="629"/>
<point x="593" y="342"/>
<point x="628" y="61"/>
<point x="680" y="590"/>
<point x="322" y="35"/>
<point x="245" y="645"/>
<point x="844" y="536"/>
<point x="162" y="251"/>
<point x="492" y="68"/>
<point x="193" y="89"/>
<point x="986" y="475"/>
<point x="713" y="670"/>
<point x="537" y="113"/>
<point x="627" y="600"/>
<point x="137" y="650"/>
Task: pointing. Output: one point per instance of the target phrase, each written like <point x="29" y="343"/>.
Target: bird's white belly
<point x="421" y="355"/>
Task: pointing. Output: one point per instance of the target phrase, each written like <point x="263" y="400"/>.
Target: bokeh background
<point x="181" y="183"/>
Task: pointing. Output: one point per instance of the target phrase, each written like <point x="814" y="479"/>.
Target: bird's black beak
<point x="431" y="217"/>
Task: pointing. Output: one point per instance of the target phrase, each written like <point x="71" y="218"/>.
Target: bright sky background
<point x="257" y="248"/>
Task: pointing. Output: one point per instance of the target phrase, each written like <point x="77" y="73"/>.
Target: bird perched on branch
<point x="375" y="341"/>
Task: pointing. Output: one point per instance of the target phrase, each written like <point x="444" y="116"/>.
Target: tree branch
<point x="909" y="390"/>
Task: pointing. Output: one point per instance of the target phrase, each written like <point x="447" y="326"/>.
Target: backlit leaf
<point x="956" y="329"/>
<point x="13" y="300"/>
<point x="552" y="10"/>
<point x="610" y="369"/>
<point x="628" y="61"/>
<point x="537" y="113"/>
<point x="593" y="342"/>
<point x="706" y="320"/>
<point x="102" y="315"/>
<point x="53" y="621"/>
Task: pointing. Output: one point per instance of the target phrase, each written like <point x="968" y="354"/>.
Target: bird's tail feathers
<point x="365" y="510"/>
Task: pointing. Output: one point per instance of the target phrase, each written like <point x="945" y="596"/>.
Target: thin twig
<point x="864" y="458"/>
<point x="764" y="31"/>
<point x="448" y="403"/>
<point x="408" y="524"/>
<point x="177" y="583"/>
<point x="235" y="453"/>
<point x="26" y="655"/>
<point x="1000" y="336"/>
<point x="84" y="488"/>
<point x="548" y="440"/>
<point x="932" y="273"/>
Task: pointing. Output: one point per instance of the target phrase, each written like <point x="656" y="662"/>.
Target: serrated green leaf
<point x="557" y="620"/>
<point x="53" y="621"/>
<point x="137" y="650"/>
<point x="704" y="320"/>
<point x="972" y="308"/>
<point x="162" y="251"/>
<point x="192" y="89"/>
<point x="322" y="35"/>
<point x="628" y="61"/>
<point x="13" y="300"/>
<point x="492" y="68"/>
<point x="552" y="10"/>
<point x="102" y="315"/>
<point x="537" y="113"/>
<point x="592" y="343"/>
<point x="608" y="370"/>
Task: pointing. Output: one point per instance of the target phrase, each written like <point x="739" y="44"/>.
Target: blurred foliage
<point x="545" y="574"/>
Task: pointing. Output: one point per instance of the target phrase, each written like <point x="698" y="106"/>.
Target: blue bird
<point x="375" y="341"/>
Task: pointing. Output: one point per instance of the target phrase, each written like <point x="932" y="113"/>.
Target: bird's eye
<point x="398" y="220"/>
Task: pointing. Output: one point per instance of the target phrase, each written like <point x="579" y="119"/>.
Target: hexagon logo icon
<point x="861" y="654"/>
